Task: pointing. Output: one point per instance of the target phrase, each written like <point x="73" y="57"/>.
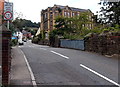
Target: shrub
<point x="13" y="42"/>
<point x="35" y="40"/>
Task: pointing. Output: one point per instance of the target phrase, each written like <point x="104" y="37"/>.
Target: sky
<point x="31" y="9"/>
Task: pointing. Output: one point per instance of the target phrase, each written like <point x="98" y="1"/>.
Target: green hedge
<point x="14" y="42"/>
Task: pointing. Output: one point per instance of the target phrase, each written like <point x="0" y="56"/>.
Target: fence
<point x="75" y="44"/>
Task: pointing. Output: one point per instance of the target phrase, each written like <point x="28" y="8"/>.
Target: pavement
<point x="19" y="71"/>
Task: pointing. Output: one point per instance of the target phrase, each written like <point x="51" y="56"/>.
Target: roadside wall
<point x="104" y="44"/>
<point x="75" y="44"/>
<point x="6" y="55"/>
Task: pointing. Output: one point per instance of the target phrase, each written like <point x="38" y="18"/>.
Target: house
<point x="48" y="15"/>
<point x="1" y="10"/>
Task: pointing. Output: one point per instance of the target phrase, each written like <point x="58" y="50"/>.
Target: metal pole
<point x="8" y="24"/>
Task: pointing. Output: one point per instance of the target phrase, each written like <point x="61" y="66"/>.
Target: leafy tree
<point x="60" y="21"/>
<point x="79" y="22"/>
<point x="23" y="23"/>
<point x="110" y="13"/>
<point x="70" y="27"/>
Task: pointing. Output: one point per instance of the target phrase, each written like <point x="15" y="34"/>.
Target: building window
<point x="89" y="17"/>
<point x="65" y="13"/>
<point x="45" y="15"/>
<point x="73" y="14"/>
<point x="68" y="14"/>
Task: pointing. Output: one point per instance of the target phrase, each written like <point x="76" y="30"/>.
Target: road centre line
<point x="60" y="54"/>
<point x="30" y="46"/>
<point x="100" y="75"/>
<point x="37" y="48"/>
<point x="43" y="48"/>
<point x="30" y="70"/>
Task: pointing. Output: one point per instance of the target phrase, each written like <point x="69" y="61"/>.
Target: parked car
<point x="20" y="36"/>
<point x="20" y="42"/>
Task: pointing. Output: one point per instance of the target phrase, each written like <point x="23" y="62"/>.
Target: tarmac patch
<point x="27" y="82"/>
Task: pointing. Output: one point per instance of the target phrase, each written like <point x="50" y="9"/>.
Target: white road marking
<point x="37" y="48"/>
<point x="20" y="46"/>
<point x="43" y="48"/>
<point x="111" y="81"/>
<point x="0" y="66"/>
<point x="24" y="43"/>
<point x="29" y="46"/>
<point x="30" y="70"/>
<point x="60" y="54"/>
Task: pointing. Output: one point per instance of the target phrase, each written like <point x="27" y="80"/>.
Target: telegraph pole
<point x="8" y="21"/>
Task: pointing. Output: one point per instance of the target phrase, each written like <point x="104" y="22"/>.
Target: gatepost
<point x="6" y="56"/>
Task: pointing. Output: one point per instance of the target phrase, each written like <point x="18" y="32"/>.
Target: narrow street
<point x="61" y="66"/>
<point x="50" y="42"/>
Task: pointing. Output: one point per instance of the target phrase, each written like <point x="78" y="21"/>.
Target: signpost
<point x="6" y="38"/>
<point x="8" y="12"/>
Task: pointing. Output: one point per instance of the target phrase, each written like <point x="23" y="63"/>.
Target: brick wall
<point x="1" y="10"/>
<point x="6" y="55"/>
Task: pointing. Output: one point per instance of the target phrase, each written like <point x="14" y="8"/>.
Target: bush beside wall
<point x="108" y="43"/>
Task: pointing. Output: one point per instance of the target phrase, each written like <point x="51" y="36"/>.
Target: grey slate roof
<point x="72" y="8"/>
<point x="77" y="9"/>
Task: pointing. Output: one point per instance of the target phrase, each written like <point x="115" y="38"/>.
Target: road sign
<point x="8" y="15"/>
<point x="8" y="11"/>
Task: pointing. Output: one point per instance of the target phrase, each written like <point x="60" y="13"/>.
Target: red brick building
<point x="1" y="10"/>
<point x="48" y="15"/>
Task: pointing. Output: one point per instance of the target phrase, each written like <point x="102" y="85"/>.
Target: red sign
<point x="8" y="15"/>
<point x="8" y="11"/>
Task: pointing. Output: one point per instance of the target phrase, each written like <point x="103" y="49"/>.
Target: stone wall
<point x="105" y="44"/>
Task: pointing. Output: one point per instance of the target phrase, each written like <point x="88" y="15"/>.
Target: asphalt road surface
<point x="60" y="66"/>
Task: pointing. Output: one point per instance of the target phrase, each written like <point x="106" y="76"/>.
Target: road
<point x="60" y="66"/>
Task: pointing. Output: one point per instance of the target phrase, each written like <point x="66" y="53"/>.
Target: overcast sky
<point x="30" y="9"/>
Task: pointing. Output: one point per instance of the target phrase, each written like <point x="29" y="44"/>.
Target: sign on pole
<point x="8" y="11"/>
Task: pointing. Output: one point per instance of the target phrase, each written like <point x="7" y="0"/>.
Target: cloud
<point x="31" y="8"/>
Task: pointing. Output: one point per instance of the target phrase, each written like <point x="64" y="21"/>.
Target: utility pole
<point x="8" y="12"/>
<point x="8" y="21"/>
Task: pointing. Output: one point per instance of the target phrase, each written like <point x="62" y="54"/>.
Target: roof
<point x="72" y="8"/>
<point x="77" y="9"/>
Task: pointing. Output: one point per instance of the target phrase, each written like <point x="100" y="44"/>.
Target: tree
<point x="79" y="22"/>
<point x="23" y="23"/>
<point x="71" y="27"/>
<point x="110" y="13"/>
